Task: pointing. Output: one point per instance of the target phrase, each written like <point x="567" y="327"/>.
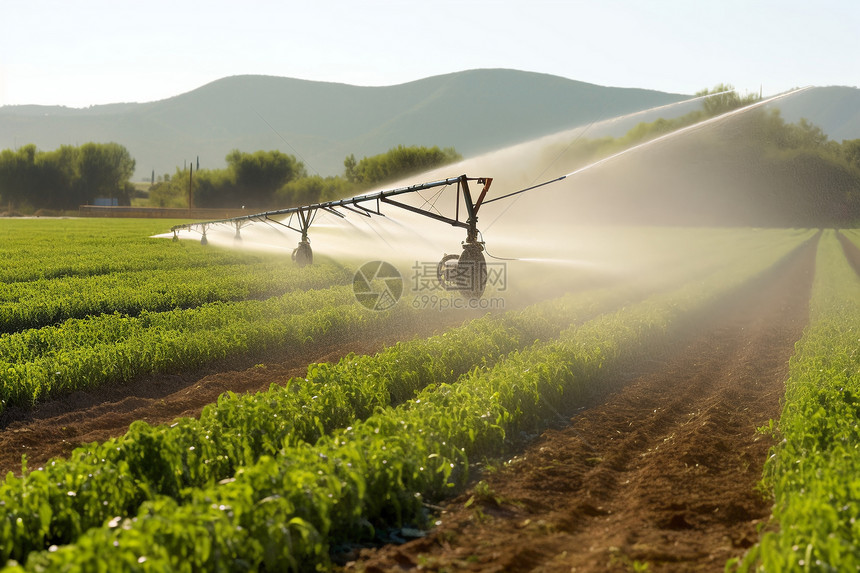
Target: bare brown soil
<point x="662" y="474"/>
<point x="56" y="427"/>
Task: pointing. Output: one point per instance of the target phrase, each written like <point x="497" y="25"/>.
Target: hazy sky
<point x="85" y="52"/>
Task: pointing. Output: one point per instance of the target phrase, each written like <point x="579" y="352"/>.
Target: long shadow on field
<point x="852" y="252"/>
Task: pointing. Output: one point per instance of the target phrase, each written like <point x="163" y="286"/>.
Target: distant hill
<point x="834" y="109"/>
<point x="321" y="123"/>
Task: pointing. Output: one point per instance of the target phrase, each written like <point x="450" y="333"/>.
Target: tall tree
<point x="258" y="175"/>
<point x="397" y="162"/>
<point x="57" y="186"/>
<point x="65" y="177"/>
<point x="727" y="100"/>
<point x="851" y="151"/>
<point x="104" y="169"/>
<point x="17" y="175"/>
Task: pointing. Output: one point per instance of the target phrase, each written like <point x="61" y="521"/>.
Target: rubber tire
<point x="303" y="255"/>
<point x="442" y="272"/>
<point x="472" y="269"/>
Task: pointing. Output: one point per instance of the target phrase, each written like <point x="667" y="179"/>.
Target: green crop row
<point x="113" y="478"/>
<point x="44" y="302"/>
<point x="813" y="470"/>
<point x="85" y="353"/>
<point x="284" y="510"/>
<point x="33" y="249"/>
<point x="237" y="431"/>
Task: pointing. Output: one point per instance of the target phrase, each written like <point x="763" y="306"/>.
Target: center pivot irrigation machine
<point x="466" y="272"/>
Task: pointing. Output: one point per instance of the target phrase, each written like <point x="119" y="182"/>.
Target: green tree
<point x="806" y="135"/>
<point x="65" y="177"/>
<point x="724" y="102"/>
<point x="349" y="165"/>
<point x="851" y="151"/>
<point x="258" y="175"/>
<point x="397" y="162"/>
<point x="104" y="169"/>
<point x="17" y="175"/>
<point x="57" y="183"/>
<point x="313" y="189"/>
<point x="171" y="192"/>
<point x="213" y="188"/>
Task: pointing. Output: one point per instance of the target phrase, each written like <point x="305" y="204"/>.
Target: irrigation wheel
<point x="446" y="272"/>
<point x="472" y="270"/>
<point x="303" y="255"/>
<point x="466" y="272"/>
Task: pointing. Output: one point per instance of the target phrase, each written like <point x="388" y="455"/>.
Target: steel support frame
<point x="306" y="214"/>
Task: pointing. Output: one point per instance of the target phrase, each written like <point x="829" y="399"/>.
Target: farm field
<point x="664" y="475"/>
<point x="191" y="408"/>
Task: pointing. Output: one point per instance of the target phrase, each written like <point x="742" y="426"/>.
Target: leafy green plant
<point x="283" y="510"/>
<point x="811" y="471"/>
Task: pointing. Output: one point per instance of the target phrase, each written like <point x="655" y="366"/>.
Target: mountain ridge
<point x="323" y="122"/>
<point x="474" y="111"/>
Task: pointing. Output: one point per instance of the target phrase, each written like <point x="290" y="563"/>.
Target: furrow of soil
<point x="56" y="427"/>
<point x="663" y="472"/>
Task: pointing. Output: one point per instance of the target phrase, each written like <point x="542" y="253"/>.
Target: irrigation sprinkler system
<point x="466" y="272"/>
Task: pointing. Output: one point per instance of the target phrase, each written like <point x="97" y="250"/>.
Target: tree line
<point x="799" y="159"/>
<point x="66" y="177"/>
<point x="763" y="129"/>
<point x="70" y="176"/>
<point x="570" y="155"/>
<point x="761" y="168"/>
<point x="271" y="179"/>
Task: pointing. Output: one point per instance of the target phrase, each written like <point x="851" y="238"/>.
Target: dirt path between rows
<point x="56" y="427"/>
<point x="662" y="474"/>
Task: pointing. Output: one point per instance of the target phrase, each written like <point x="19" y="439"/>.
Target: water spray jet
<point x="467" y="271"/>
